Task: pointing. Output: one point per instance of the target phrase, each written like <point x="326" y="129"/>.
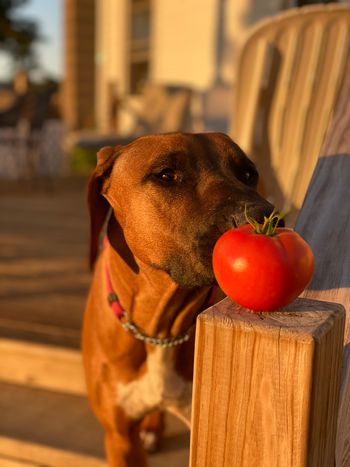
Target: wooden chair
<point x="273" y="389"/>
<point x="162" y="109"/>
<point x="324" y="223"/>
<point x="21" y="133"/>
<point x="289" y="72"/>
<point x="9" y="118"/>
<point x="31" y="130"/>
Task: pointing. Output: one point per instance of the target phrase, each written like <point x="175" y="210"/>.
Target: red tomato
<point x="262" y="272"/>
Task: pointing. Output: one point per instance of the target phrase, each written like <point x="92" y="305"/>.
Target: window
<point x="139" y="44"/>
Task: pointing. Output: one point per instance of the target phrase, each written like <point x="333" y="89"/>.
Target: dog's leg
<point x="151" y="430"/>
<point x="123" y="444"/>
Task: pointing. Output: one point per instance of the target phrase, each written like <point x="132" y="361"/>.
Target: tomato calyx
<point x="269" y="226"/>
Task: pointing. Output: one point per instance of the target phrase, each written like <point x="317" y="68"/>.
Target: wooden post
<point x="266" y="386"/>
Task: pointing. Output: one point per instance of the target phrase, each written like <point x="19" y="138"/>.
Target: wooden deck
<point x="45" y="418"/>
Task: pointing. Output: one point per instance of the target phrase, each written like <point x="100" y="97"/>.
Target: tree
<point x="17" y="35"/>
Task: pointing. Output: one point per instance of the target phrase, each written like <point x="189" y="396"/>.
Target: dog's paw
<point x="151" y="431"/>
<point x="150" y="440"/>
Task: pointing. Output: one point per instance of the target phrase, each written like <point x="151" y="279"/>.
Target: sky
<point x="49" y="15"/>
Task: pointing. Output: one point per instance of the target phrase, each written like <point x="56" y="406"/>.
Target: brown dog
<point x="171" y="196"/>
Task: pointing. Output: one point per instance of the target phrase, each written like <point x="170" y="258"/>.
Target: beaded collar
<point x="127" y="323"/>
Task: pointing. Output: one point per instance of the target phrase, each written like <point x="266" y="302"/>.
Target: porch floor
<point x="44" y="281"/>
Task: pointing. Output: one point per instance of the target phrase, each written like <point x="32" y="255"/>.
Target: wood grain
<point x="42" y="366"/>
<point x="324" y="222"/>
<point x="266" y="386"/>
<point x="16" y="453"/>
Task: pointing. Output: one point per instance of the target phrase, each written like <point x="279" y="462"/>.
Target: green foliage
<point x="17" y="35"/>
<point x="83" y="160"/>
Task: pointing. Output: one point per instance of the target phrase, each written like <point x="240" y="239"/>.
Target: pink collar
<point x="126" y="322"/>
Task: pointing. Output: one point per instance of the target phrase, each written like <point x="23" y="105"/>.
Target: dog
<point x="167" y="198"/>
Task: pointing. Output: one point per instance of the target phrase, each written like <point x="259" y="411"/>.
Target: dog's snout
<point x="260" y="217"/>
<point x="238" y="219"/>
<point x="258" y="213"/>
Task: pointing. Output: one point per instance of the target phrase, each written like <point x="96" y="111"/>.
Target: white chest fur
<point x="159" y="388"/>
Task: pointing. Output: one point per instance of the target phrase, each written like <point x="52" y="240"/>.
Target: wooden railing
<point x="273" y="390"/>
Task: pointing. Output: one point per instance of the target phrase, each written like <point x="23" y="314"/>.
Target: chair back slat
<point x="281" y="123"/>
<point x="258" y="76"/>
<point x="278" y="114"/>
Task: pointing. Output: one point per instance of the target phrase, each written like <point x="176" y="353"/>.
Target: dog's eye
<point x="167" y="176"/>
<point x="250" y="176"/>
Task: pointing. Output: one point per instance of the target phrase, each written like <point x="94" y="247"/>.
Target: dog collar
<point x="126" y="322"/>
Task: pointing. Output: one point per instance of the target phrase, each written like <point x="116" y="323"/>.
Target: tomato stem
<point x="269" y="226"/>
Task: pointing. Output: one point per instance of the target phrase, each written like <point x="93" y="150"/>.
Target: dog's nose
<point x="278" y="221"/>
<point x="281" y="223"/>
<point x="258" y="214"/>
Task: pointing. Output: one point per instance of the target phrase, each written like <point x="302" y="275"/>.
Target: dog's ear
<point x="98" y="205"/>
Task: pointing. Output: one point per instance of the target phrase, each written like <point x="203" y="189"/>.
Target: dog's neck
<point x="154" y="301"/>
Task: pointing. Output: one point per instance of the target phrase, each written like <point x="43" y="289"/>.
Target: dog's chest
<point x="159" y="388"/>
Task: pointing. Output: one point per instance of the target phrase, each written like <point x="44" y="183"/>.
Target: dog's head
<point x="173" y="195"/>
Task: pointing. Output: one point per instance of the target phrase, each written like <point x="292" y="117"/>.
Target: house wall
<point x="110" y="57"/>
<point x="193" y="43"/>
<point x="184" y="42"/>
<point x="79" y="79"/>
